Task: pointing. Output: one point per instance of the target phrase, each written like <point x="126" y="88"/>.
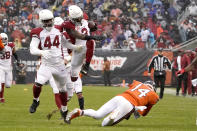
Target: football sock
<point x="58" y="100"/>
<point x="90" y="50"/>
<point x="63" y="98"/>
<point x="36" y="90"/>
<point x="37" y="99"/>
<point x="2" y="90"/>
<point x="81" y="103"/>
<point x="64" y="108"/>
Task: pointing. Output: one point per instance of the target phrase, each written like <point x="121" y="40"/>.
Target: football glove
<point x="141" y="108"/>
<point x="46" y="54"/>
<point x="94" y="37"/>
<point x="180" y="72"/>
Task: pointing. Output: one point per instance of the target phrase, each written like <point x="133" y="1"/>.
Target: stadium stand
<point x="146" y="23"/>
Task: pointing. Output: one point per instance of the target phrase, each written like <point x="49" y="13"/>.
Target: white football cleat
<point x="73" y="114"/>
<point x="112" y="116"/>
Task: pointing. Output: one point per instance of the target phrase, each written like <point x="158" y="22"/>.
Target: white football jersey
<point x="50" y="41"/>
<point x="84" y="29"/>
<point x="6" y="58"/>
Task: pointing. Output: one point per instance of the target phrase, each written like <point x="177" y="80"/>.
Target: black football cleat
<point x="84" y="69"/>
<point x="34" y="105"/>
<point x="64" y="114"/>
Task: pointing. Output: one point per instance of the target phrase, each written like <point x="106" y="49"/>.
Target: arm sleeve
<point x="34" y="50"/>
<point x="151" y="65"/>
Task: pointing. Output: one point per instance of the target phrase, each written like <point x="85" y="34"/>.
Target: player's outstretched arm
<point x="78" y="35"/>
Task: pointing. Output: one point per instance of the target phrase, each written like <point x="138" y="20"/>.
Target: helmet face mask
<point x="4" y="38"/>
<point x="77" y="21"/>
<point x="47" y="23"/>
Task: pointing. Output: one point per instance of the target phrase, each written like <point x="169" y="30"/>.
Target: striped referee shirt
<point x="159" y="63"/>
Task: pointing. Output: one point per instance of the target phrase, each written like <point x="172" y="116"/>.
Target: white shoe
<point x="73" y="114"/>
<point x="112" y="117"/>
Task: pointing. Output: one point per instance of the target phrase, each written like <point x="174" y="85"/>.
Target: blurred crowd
<point x="127" y="24"/>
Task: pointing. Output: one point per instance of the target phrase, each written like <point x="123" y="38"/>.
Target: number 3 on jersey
<point x="143" y="92"/>
<point x="47" y="42"/>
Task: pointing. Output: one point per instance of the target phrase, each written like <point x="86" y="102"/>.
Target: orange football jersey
<point x="140" y="94"/>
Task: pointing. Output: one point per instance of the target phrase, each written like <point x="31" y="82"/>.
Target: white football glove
<point x="79" y="48"/>
<point x="46" y="54"/>
<point x="141" y="108"/>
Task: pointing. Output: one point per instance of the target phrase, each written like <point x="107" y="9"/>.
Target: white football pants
<point x="117" y="104"/>
<point x="59" y="73"/>
<point x="6" y="77"/>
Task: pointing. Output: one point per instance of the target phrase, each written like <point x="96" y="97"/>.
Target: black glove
<point x="89" y="37"/>
<point x="93" y="29"/>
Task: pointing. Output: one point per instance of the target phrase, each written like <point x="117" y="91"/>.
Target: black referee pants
<point x="160" y="81"/>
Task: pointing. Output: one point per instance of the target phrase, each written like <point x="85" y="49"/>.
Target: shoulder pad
<point x="68" y="25"/>
<point x="36" y="32"/>
<point x="59" y="28"/>
<point x="11" y="44"/>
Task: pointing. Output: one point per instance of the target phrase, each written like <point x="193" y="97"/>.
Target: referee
<point x="159" y="64"/>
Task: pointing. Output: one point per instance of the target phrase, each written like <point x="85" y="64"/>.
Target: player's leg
<point x="8" y="79"/>
<point x="100" y="113"/>
<point x="55" y="92"/>
<point x="123" y="109"/>
<point x="89" y="54"/>
<point x="185" y="78"/>
<point x="59" y="74"/>
<point x="2" y="84"/>
<point x="70" y="90"/>
<point x="78" y="91"/>
<point x="43" y="75"/>
<point x="162" y="81"/>
<point x="76" y="64"/>
<point x="179" y="82"/>
<point x="69" y="84"/>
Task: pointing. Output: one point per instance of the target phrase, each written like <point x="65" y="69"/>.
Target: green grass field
<point x="170" y="114"/>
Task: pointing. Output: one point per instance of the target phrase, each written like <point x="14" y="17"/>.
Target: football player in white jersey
<point x="6" y="64"/>
<point x="71" y="86"/>
<point x="47" y="42"/>
<point x="78" y="30"/>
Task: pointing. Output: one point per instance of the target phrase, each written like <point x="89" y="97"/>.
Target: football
<point x="91" y="24"/>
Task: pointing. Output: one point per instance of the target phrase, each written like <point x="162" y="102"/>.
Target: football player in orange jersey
<point x="138" y="99"/>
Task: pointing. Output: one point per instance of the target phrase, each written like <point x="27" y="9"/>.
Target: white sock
<point x="37" y="99"/>
<point x="64" y="108"/>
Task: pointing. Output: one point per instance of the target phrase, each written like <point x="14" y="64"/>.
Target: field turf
<point x="172" y="113"/>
